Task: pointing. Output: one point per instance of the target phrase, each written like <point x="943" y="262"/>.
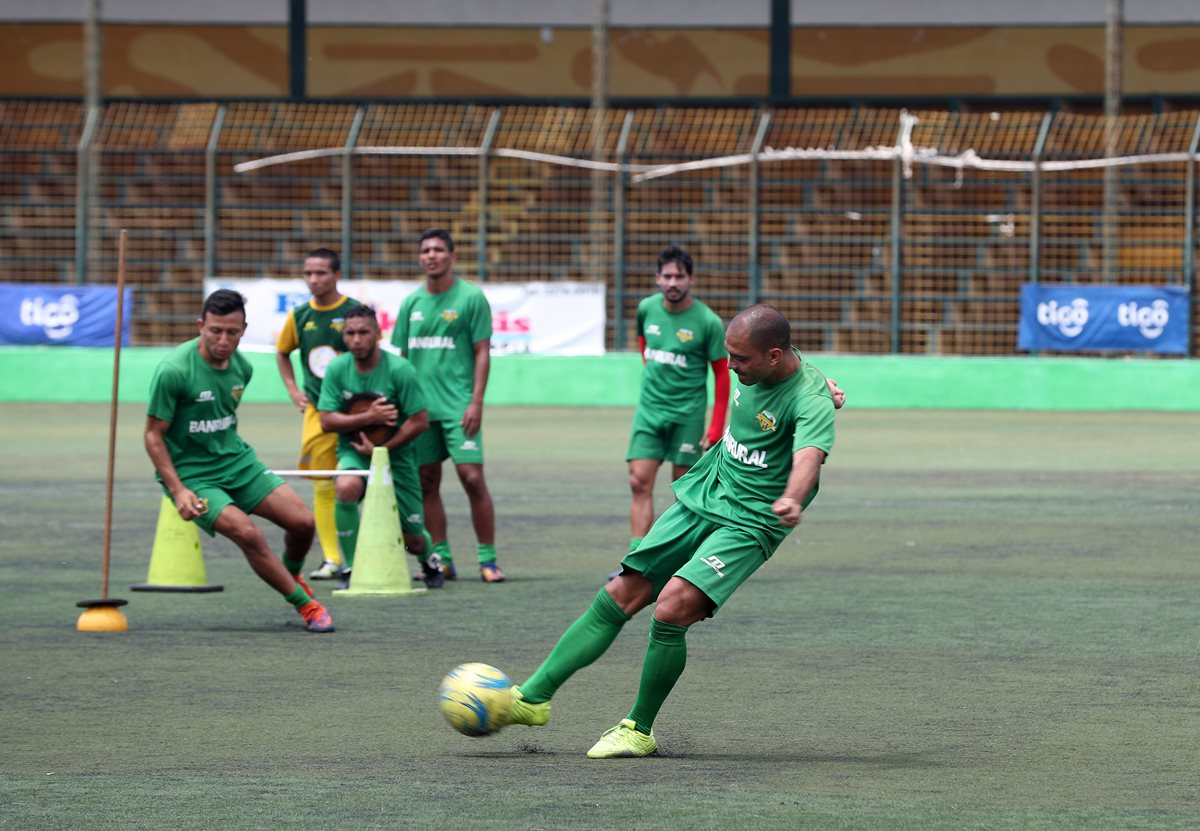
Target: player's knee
<point x="431" y="479"/>
<point x="682" y="604"/>
<point x="640" y="484"/>
<point x="246" y="535"/>
<point x="347" y="489"/>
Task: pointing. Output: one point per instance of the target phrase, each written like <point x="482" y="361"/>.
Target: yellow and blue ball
<point x="474" y="698"/>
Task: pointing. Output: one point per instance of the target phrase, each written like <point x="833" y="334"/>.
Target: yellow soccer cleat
<point x="622" y="742"/>
<point x="521" y="711"/>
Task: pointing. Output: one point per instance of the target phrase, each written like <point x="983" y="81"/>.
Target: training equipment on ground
<point x="360" y="402"/>
<point x="475" y="698"/>
<point x="380" y="561"/>
<point x="176" y="563"/>
<point x="623" y="742"/>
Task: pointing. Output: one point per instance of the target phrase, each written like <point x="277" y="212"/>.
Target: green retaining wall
<point x="66" y="374"/>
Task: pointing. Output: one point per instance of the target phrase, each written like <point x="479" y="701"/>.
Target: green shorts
<point x="676" y="441"/>
<point x="406" y="485"/>
<point x="713" y="557"/>
<point x="244" y="485"/>
<point x="446" y="439"/>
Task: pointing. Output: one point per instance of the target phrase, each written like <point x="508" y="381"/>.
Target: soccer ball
<point x="474" y="699"/>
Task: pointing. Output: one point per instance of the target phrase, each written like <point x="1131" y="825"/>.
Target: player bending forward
<point x="211" y="474"/>
<point x="735" y="506"/>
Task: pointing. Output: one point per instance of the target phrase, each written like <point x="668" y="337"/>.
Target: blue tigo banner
<point x="1122" y="318"/>
<point x="67" y="315"/>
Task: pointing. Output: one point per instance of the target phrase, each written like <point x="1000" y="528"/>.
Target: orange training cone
<point x="176" y="563"/>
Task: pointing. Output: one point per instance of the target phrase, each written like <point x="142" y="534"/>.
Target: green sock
<point x="634" y="542"/>
<point x="666" y="656"/>
<point x="298" y="597"/>
<point x="487" y="553"/>
<point x="442" y="549"/>
<point x="294" y="567"/>
<point x="346" y="516"/>
<point x="584" y="641"/>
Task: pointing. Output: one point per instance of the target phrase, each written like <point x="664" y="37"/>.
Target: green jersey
<point x="679" y="348"/>
<point x="317" y="332"/>
<point x="738" y="480"/>
<point x="201" y="404"/>
<point x="393" y="377"/>
<point x="438" y="333"/>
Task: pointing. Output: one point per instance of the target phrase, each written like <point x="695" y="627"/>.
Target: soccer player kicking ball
<point x="735" y="506"/>
<point x="365" y="368"/>
<point x="212" y="475"/>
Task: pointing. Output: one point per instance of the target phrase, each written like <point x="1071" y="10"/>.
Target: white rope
<point x="905" y="151"/>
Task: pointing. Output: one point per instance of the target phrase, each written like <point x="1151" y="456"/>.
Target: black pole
<point x="781" y="50"/>
<point x="298" y="47"/>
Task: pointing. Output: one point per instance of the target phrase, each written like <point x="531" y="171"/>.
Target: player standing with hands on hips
<point x="212" y="475"/>
<point x="445" y="329"/>
<point x="735" y="507"/>
<point x="315" y="328"/>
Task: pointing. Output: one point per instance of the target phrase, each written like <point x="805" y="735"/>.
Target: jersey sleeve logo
<point x="766" y="420"/>
<point x="449" y="315"/>
<point x="684" y="335"/>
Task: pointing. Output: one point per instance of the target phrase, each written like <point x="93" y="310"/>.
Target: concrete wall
<point x="871" y="381"/>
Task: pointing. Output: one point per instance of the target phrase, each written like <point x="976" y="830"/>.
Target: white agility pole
<point x="321" y="472"/>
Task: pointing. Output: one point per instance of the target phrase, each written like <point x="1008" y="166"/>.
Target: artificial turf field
<point x="987" y="620"/>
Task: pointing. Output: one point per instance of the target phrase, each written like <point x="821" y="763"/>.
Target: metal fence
<point x="867" y="254"/>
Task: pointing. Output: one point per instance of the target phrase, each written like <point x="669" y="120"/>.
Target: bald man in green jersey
<point x="735" y="506"/>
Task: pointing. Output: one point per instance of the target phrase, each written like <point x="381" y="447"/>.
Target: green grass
<point x="986" y="621"/>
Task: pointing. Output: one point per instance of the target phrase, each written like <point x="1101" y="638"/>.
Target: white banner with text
<point x="536" y="318"/>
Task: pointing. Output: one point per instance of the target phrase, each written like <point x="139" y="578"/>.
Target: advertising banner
<point x="535" y="318"/>
<point x="1095" y="318"/>
<point x="33" y="314"/>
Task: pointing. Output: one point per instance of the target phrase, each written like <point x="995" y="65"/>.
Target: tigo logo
<point x="1069" y="320"/>
<point x="1150" y="320"/>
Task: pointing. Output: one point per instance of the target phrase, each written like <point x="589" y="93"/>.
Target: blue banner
<point x="1094" y="318"/>
<point x="66" y="315"/>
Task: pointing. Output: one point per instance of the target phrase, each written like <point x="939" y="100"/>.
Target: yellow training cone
<point x="176" y="563"/>
<point x="380" y="561"/>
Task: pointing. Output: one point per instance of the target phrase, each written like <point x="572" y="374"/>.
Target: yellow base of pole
<point x="102" y="616"/>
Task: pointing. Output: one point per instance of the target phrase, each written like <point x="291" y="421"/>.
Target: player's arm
<point x="186" y="501"/>
<point x="716" y="426"/>
<point x="839" y="394"/>
<point x="413" y="426"/>
<point x="806" y="470"/>
<point x="285" y="345"/>
<point x="473" y="417"/>
<point x="381" y="411"/>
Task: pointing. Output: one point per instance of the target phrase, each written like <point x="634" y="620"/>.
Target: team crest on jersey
<point x="237" y="391"/>
<point x="684" y="335"/>
<point x="653" y="329"/>
<point x="766" y="420"/>
<point x="449" y="315"/>
<point x="337" y="324"/>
